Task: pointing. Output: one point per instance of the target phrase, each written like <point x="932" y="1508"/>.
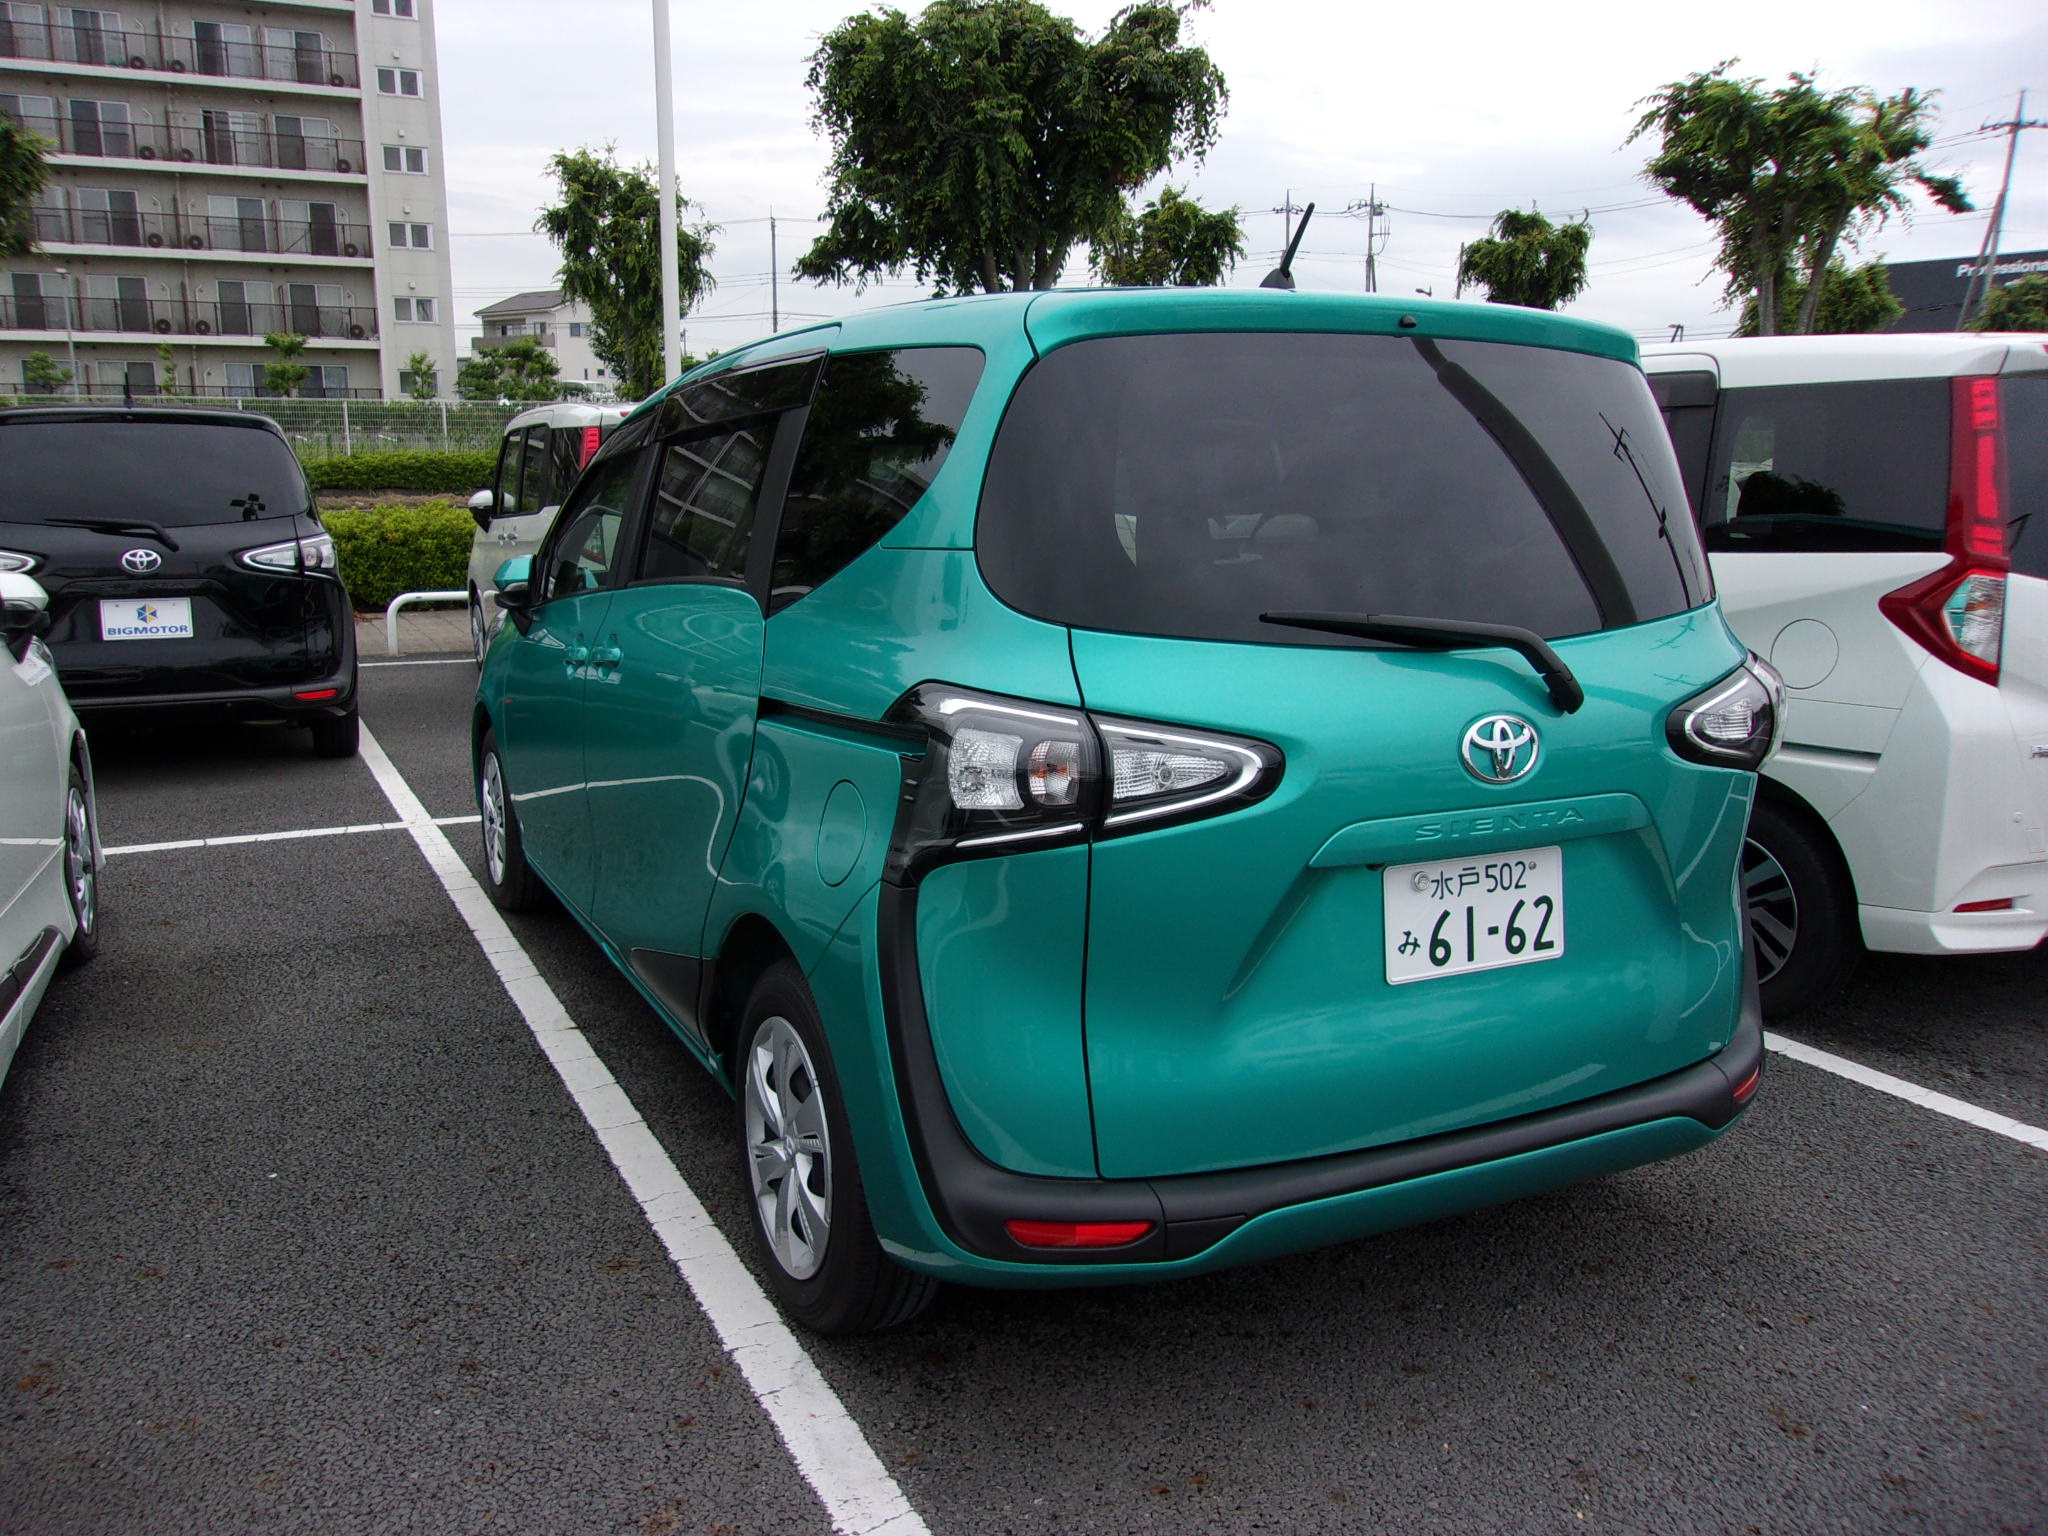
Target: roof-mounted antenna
<point x="1282" y="276"/>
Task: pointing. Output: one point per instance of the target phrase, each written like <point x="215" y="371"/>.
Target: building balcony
<point x="546" y="336"/>
<point x="275" y="63"/>
<point x="179" y="317"/>
<point x="181" y="233"/>
<point x="208" y="144"/>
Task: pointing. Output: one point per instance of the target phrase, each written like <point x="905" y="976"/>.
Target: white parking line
<point x="1912" y="1093"/>
<point x="827" y="1445"/>
<point x="231" y="839"/>
<point x="433" y="661"/>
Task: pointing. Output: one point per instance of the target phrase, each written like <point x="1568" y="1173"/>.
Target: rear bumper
<point x="251" y="705"/>
<point x="1898" y="931"/>
<point x="1208" y="1221"/>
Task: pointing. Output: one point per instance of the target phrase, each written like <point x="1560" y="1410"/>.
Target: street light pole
<point x="70" y="345"/>
<point x="665" y="158"/>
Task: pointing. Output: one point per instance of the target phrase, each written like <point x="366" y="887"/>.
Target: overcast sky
<point x="1451" y="111"/>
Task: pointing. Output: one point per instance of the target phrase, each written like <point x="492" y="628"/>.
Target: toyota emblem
<point x="1500" y="749"/>
<point x="140" y="562"/>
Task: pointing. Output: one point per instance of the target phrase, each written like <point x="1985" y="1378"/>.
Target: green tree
<point x="2017" y="306"/>
<point x="1174" y="243"/>
<point x="167" y="364"/>
<point x="22" y="175"/>
<point x="422" y="379"/>
<point x="285" y="373"/>
<point x="607" y="225"/>
<point x="1855" y="301"/>
<point x="1528" y="260"/>
<point x="975" y="145"/>
<point x="42" y="374"/>
<point x="1786" y="175"/>
<point x="522" y="369"/>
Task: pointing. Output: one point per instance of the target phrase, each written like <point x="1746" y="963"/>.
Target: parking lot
<point x="305" y="1230"/>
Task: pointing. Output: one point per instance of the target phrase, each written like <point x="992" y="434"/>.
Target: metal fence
<point x="323" y="428"/>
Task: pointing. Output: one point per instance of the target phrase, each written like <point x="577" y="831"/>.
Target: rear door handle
<point x="576" y="655"/>
<point x="608" y="655"/>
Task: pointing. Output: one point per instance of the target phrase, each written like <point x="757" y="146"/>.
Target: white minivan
<point x="1868" y="504"/>
<point x="541" y="452"/>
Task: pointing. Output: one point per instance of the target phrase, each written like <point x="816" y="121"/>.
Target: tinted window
<point x="1183" y="485"/>
<point x="536" y="484"/>
<point x="583" y="552"/>
<point x="170" y="472"/>
<point x="2025" y="400"/>
<point x="704" y="505"/>
<point x="1687" y="401"/>
<point x="743" y="392"/>
<point x="505" y="487"/>
<point x="879" y="428"/>
<point x="1827" y="467"/>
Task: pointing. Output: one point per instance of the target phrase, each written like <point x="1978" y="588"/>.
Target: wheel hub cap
<point x="789" y="1149"/>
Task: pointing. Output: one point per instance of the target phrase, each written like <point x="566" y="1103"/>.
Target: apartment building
<point x="223" y="170"/>
<point x="561" y="326"/>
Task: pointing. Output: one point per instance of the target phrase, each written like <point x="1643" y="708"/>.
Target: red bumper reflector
<point x="315" y="695"/>
<point x="1999" y="904"/>
<point x="1076" y="1234"/>
<point x="1747" y="1086"/>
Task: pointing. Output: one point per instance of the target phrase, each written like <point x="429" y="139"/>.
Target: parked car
<point x="1869" y="507"/>
<point x="1127" y="783"/>
<point x="538" y="457"/>
<point x="49" y="828"/>
<point x="188" y="575"/>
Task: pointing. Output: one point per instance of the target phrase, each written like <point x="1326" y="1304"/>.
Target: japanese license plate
<point x="146" y="618"/>
<point x="1451" y="916"/>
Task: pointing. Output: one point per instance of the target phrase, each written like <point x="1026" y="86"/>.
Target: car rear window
<point x="1827" y="468"/>
<point x="2025" y="402"/>
<point x="176" y="473"/>
<point x="1185" y="484"/>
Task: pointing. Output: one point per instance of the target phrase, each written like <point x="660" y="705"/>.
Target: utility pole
<point x="1987" y="255"/>
<point x="774" y="275"/>
<point x="665" y="156"/>
<point x="1374" y="211"/>
<point x="1286" y="212"/>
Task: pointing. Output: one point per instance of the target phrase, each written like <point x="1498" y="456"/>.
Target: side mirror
<point x="24" y="612"/>
<point x="481" y="507"/>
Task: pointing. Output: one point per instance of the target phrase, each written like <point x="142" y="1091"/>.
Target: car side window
<point x="584" y="553"/>
<point x="704" y="505"/>
<point x="537" y="487"/>
<point x="880" y="426"/>
<point x="505" y="488"/>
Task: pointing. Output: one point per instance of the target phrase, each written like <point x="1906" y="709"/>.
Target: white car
<point x="1875" y="510"/>
<point x="541" y="452"/>
<point x="49" y="830"/>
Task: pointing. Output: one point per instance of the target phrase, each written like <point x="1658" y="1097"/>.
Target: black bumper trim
<point x="973" y="1198"/>
<point x="16" y="978"/>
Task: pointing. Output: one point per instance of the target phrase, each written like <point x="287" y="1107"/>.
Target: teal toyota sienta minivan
<point x="1126" y="783"/>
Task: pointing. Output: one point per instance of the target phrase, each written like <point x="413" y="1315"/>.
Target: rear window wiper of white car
<point x="1448" y="635"/>
<point x="116" y="525"/>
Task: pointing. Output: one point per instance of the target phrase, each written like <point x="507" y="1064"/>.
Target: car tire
<point x="338" y="736"/>
<point x="479" y="634"/>
<point x="510" y="880"/>
<point x="81" y="878"/>
<point x="810" y="1216"/>
<point x="1801" y="911"/>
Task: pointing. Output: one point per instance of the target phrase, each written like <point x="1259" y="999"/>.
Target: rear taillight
<point x="1076" y="1234"/>
<point x="1958" y="613"/>
<point x="1733" y="724"/>
<point x="1002" y="775"/>
<point x="15" y="560"/>
<point x="592" y="436"/>
<point x="314" y="552"/>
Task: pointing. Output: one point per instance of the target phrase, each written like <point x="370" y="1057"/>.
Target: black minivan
<point x="188" y="574"/>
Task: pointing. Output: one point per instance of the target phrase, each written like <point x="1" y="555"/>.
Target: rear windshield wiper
<point x="1448" y="635"/>
<point x="117" y="525"/>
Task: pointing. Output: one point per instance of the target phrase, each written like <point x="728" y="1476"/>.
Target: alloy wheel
<point x="1773" y="908"/>
<point x="491" y="802"/>
<point x="479" y="637"/>
<point x="789" y="1149"/>
<point x="80" y="877"/>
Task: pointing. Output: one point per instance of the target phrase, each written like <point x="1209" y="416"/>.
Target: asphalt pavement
<point x="300" y="1231"/>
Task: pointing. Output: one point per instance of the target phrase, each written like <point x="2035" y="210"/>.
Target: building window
<point x="410" y="308"/>
<point x="418" y="237"/>
<point x="323" y="381"/>
<point x="579" y="327"/>
<point x="394" y="8"/>
<point x="406" y="159"/>
<point x="431" y="379"/>
<point x="398" y="82"/>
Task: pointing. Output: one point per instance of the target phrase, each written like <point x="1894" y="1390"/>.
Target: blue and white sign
<point x="146" y="618"/>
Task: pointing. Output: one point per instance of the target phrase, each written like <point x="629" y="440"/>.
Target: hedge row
<point x="405" y="469"/>
<point x="390" y="549"/>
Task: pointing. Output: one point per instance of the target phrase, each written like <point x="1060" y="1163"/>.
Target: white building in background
<point x="562" y="326"/>
<point x="225" y="169"/>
